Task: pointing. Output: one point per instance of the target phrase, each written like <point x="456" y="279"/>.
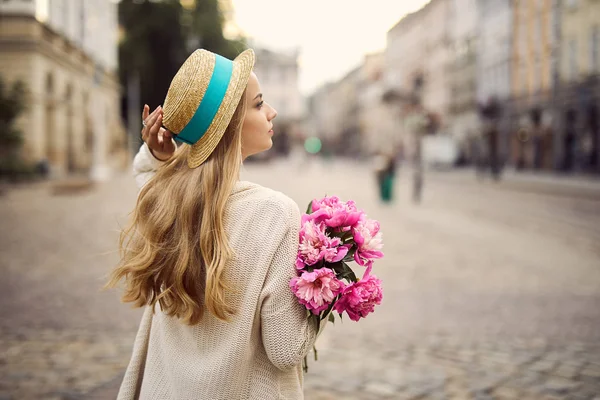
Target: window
<point x="594" y="41"/>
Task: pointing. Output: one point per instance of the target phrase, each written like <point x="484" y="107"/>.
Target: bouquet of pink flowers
<point x="334" y="233"/>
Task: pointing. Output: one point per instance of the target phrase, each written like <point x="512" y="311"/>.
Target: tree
<point x="13" y="100"/>
<point x="207" y="25"/>
<point x="159" y="35"/>
<point x="153" y="45"/>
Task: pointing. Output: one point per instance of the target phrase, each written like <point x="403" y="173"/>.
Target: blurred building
<point x="350" y="115"/>
<point x="66" y="52"/>
<point x="533" y="52"/>
<point x="419" y="45"/>
<point x="462" y="76"/>
<point x="278" y="76"/>
<point x="494" y="49"/>
<point x="379" y="132"/>
<point x="335" y="108"/>
<point x="493" y="60"/>
<point x="578" y="88"/>
<point x="418" y="52"/>
<point x="322" y="122"/>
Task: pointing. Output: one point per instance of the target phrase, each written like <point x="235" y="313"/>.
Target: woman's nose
<point x="273" y="113"/>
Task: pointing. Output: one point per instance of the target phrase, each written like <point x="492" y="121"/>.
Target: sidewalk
<point x="547" y="183"/>
<point x="553" y="178"/>
<point x="581" y="186"/>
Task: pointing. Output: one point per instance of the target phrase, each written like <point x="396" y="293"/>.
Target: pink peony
<point x="315" y="245"/>
<point x="368" y="241"/>
<point x="335" y="213"/>
<point x="317" y="289"/>
<point x="360" y="298"/>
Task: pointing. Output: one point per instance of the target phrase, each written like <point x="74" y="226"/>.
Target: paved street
<point x="492" y="290"/>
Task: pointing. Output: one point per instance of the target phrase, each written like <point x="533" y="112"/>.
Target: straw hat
<point x="202" y="99"/>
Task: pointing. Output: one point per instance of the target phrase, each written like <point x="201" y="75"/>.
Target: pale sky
<point x="332" y="35"/>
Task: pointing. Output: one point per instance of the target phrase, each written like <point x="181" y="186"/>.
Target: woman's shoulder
<point x="266" y="201"/>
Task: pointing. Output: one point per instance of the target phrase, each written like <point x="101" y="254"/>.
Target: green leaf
<point x="337" y="267"/>
<point x="349" y="273"/>
<point x="316" y="320"/>
<point x="334" y="234"/>
<point x="331" y="318"/>
<point x="305" y="364"/>
<point x="318" y="265"/>
<point x="316" y="355"/>
<point x="329" y="309"/>
<point x="348" y="236"/>
<point x="350" y="256"/>
<point x="309" y="208"/>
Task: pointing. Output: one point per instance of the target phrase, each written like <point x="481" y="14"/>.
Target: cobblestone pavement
<point x="490" y="293"/>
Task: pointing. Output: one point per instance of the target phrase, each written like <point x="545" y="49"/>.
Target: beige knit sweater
<point x="258" y="354"/>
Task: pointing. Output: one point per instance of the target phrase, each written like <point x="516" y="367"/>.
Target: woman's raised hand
<point x="156" y="137"/>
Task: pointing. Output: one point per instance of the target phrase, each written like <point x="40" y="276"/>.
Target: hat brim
<point x="203" y="148"/>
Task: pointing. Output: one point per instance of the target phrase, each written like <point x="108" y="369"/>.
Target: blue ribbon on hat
<point x="208" y="107"/>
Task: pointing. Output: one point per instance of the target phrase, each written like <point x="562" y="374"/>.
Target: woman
<point x="209" y="256"/>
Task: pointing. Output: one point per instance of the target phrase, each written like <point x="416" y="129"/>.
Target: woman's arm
<point x="287" y="333"/>
<point x="144" y="166"/>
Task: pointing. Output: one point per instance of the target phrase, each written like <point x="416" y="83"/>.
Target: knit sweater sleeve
<point x="144" y="166"/>
<point x="287" y="333"/>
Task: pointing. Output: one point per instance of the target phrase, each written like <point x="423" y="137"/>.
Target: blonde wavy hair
<point x="175" y="248"/>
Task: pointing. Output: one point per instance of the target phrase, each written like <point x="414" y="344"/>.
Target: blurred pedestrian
<point x="541" y="137"/>
<point x="493" y="152"/>
<point x="385" y="171"/>
<point x="42" y="168"/>
<point x="490" y="114"/>
<point x="570" y="137"/>
<point x="479" y="156"/>
<point x="208" y="256"/>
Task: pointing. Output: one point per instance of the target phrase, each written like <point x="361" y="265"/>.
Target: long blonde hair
<point x="175" y="248"/>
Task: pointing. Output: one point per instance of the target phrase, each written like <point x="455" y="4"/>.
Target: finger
<point x="145" y="112"/>
<point x="148" y="120"/>
<point x="162" y="139"/>
<point x="147" y="131"/>
<point x="163" y="135"/>
<point x="153" y="134"/>
<point x="147" y="117"/>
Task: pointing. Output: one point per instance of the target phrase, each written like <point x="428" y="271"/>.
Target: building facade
<point x="534" y="48"/>
<point x="350" y="116"/>
<point x="72" y="120"/>
<point x="464" y="123"/>
<point x="278" y="76"/>
<point x="494" y="49"/>
<point x="416" y="60"/>
<point x="420" y="45"/>
<point x="493" y="62"/>
<point x="379" y="131"/>
<point x="578" y="87"/>
<point x="336" y="109"/>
